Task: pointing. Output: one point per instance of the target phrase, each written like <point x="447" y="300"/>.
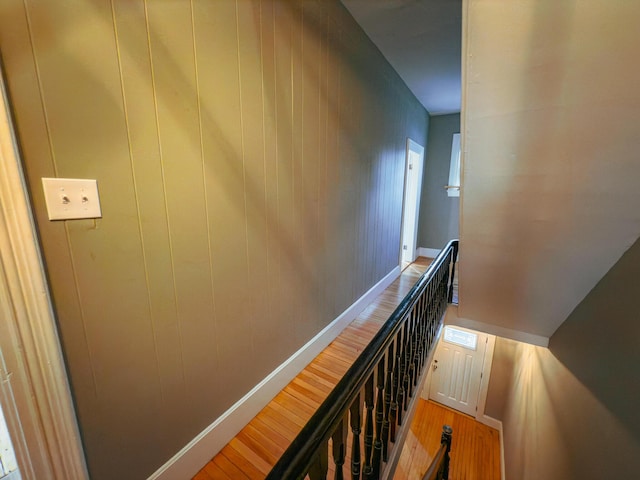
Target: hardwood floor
<point x="252" y="453"/>
<point x="475" y="448"/>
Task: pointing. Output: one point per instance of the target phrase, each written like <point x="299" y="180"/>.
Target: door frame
<point x="34" y="390"/>
<point x="483" y="389"/>
<point x="411" y="146"/>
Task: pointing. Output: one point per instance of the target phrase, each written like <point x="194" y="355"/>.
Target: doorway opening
<point x="411" y="204"/>
<point x="460" y="370"/>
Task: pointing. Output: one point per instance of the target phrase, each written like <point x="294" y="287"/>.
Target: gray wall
<point x="439" y="213"/>
<point x="571" y="411"/>
<point x="250" y="161"/>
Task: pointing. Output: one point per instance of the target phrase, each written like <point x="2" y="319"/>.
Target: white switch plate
<point x="71" y="198"/>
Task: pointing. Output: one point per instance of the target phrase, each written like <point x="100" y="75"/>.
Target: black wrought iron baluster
<point x="406" y="362"/>
<point x="427" y="330"/>
<point x="452" y="262"/>
<point x="446" y="438"/>
<point x="401" y="376"/>
<point x="367" y="468"/>
<point x="433" y="313"/>
<point x="430" y="329"/>
<point x="395" y="386"/>
<point x="339" y="447"/>
<point x="418" y="349"/>
<point x="387" y="403"/>
<point x="442" y="295"/>
<point x="320" y="464"/>
<point x="377" y="442"/>
<point x="354" y="422"/>
<point x="422" y="334"/>
<point x="413" y="369"/>
<point x="410" y="355"/>
<point x="424" y="320"/>
<point x="414" y="325"/>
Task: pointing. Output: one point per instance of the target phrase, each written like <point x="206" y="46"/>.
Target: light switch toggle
<point x="71" y="198"/>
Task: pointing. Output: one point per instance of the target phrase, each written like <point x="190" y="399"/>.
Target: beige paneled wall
<point x="250" y="160"/>
<point x="551" y="135"/>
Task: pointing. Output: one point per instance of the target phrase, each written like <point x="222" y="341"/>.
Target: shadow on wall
<point x="556" y="429"/>
<point x="600" y="341"/>
<point x="251" y="175"/>
<point x="571" y="411"/>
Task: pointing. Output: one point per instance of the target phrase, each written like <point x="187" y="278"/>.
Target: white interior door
<point x="413" y="186"/>
<point x="457" y="369"/>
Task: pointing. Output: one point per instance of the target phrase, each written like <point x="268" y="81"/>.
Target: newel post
<point x="446" y="439"/>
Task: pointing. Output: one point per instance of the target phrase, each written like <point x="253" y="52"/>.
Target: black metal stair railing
<point x="439" y="468"/>
<point x="376" y="390"/>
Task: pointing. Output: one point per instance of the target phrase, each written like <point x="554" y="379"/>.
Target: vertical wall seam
<point x="329" y="312"/>
<point x="292" y="211"/>
<point x="337" y="305"/>
<point x="301" y="206"/>
<point x="137" y="199"/>
<point x="303" y="184"/>
<point x="264" y="166"/>
<point x="319" y="232"/>
<point x="204" y="185"/>
<point x="244" y="172"/>
<point x="277" y="146"/>
<point x="164" y="190"/>
<point x="55" y="170"/>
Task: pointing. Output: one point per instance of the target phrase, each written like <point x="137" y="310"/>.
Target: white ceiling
<point x="421" y="39"/>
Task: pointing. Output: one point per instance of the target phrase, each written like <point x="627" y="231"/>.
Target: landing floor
<point x="475" y="448"/>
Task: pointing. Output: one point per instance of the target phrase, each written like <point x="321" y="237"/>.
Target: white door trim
<point x="484" y="380"/>
<point x="34" y="390"/>
<point x="483" y="389"/>
<point x="419" y="149"/>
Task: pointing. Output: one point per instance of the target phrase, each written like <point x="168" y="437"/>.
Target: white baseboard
<point x="490" y="421"/>
<point x="453" y="318"/>
<point x="188" y="461"/>
<point x="428" y="252"/>
<point x="505" y="332"/>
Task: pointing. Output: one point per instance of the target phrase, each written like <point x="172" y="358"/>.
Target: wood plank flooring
<point x="475" y="448"/>
<point x="253" y="452"/>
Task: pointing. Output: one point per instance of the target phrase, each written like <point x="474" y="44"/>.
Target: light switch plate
<point x="71" y="198"/>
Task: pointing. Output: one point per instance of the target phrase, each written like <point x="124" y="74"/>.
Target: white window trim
<point x="453" y="188"/>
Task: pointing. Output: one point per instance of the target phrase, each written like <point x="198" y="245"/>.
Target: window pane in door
<point x="460" y="337"/>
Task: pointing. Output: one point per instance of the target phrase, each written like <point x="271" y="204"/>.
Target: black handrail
<point x="406" y="338"/>
<point x="439" y="468"/>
